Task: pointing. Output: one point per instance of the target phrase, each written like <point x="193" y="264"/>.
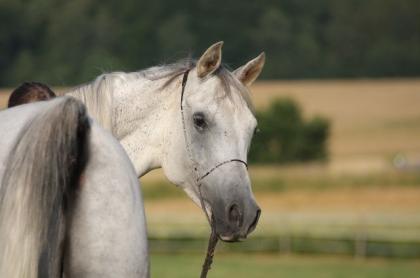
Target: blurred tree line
<point x="66" y="42"/>
<point x="284" y="136"/>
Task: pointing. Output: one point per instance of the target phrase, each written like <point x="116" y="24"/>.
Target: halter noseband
<point x="199" y="178"/>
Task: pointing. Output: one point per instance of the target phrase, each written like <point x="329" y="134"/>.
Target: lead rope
<point x="213" y="236"/>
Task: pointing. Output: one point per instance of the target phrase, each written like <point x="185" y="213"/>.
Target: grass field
<point x="256" y="266"/>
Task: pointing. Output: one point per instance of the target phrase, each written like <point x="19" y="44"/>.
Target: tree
<point x="286" y="137"/>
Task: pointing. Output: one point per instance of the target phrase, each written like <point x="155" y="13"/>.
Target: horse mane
<point x="98" y="94"/>
<point x="98" y="98"/>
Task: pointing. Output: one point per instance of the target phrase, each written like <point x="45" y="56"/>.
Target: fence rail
<point x="359" y="247"/>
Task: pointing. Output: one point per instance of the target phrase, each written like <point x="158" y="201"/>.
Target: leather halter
<point x="199" y="178"/>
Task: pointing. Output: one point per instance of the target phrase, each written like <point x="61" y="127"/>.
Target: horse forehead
<point x="212" y="93"/>
<point x="205" y="91"/>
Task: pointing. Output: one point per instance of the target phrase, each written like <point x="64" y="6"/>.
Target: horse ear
<point x="251" y="70"/>
<point x="210" y="60"/>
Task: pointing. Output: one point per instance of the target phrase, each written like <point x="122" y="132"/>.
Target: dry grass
<point x="4" y="96"/>
<point x="359" y="200"/>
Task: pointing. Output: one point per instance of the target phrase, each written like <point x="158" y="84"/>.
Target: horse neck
<point x="142" y="116"/>
<point x="136" y="110"/>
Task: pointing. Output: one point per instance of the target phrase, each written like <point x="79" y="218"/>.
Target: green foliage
<point x="67" y="42"/>
<point x="315" y="135"/>
<point x="286" y="137"/>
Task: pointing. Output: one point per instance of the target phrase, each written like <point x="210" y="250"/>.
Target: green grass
<point x="301" y="180"/>
<point x="326" y="182"/>
<point x="247" y="266"/>
<point x="332" y="245"/>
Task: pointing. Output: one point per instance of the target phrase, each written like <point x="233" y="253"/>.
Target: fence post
<point x="360" y="245"/>
<point x="285" y="244"/>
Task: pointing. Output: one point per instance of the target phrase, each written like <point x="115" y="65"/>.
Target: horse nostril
<point x="254" y="223"/>
<point x="235" y="216"/>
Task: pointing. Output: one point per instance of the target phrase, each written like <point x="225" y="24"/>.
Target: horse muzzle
<point x="236" y="221"/>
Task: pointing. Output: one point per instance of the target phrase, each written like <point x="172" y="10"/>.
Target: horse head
<point x="207" y="146"/>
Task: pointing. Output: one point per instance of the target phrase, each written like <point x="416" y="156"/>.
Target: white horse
<point x="69" y="197"/>
<point x="193" y="119"/>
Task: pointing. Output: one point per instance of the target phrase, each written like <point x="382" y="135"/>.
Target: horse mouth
<point x="231" y="238"/>
<point x="237" y="233"/>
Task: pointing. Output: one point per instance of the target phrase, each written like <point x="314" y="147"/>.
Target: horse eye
<point x="199" y="121"/>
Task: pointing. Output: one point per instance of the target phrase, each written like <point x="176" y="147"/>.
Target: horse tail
<point x="41" y="176"/>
